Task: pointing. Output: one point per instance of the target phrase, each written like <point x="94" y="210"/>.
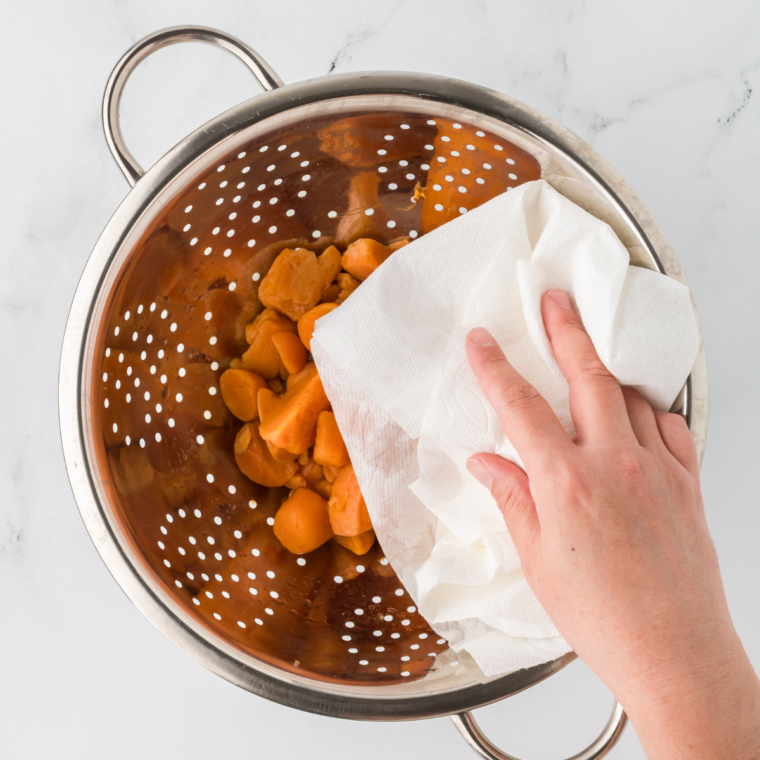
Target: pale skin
<point x="612" y="536"/>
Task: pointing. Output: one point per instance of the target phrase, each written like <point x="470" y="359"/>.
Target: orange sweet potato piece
<point x="364" y="256"/>
<point x="330" y="473"/>
<point x="275" y="385"/>
<point x="347" y="510"/>
<point x="360" y="544"/>
<point x="396" y="244"/>
<point x="292" y="352"/>
<point x="290" y="421"/>
<point x="297" y="280"/>
<point x="301" y="524"/>
<point x="323" y="488"/>
<point x="255" y="461"/>
<point x="306" y="321"/>
<point x="329" y="447"/>
<point x="303" y="458"/>
<point x="348" y="284"/>
<point x="240" y="389"/>
<point x="312" y="471"/>
<point x="280" y="455"/>
<point x="331" y="294"/>
<point x="262" y="357"/>
<point x="297" y="481"/>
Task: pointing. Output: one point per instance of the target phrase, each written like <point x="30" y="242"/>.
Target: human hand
<point x="613" y="540"/>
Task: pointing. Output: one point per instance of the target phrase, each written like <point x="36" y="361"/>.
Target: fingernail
<point x="479" y="472"/>
<point x="481" y="337"/>
<point x="560" y="298"/>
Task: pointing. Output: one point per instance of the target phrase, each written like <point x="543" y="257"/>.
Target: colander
<point x="161" y="309"/>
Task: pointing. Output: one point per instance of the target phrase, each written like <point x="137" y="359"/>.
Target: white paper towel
<point x="393" y="363"/>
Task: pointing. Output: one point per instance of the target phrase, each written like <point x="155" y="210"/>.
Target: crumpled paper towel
<point x="393" y="363"/>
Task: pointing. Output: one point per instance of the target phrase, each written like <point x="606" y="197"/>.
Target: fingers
<point x="527" y="419"/>
<point x="509" y="486"/>
<point x="596" y="401"/>
<point x="677" y="439"/>
<point x="642" y="419"/>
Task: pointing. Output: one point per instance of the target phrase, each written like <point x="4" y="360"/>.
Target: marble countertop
<point x="666" y="91"/>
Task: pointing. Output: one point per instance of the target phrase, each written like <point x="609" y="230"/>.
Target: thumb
<point x="510" y="488"/>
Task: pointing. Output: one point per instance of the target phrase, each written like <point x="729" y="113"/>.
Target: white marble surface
<point x="668" y="91"/>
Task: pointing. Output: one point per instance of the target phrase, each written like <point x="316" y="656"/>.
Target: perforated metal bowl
<point x="161" y="309"/>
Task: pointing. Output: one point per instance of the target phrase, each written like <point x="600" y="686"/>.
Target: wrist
<point x="701" y="703"/>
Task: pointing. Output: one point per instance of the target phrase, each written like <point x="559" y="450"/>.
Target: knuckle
<point x="630" y="469"/>
<point x="521" y="395"/>
<point x="493" y="360"/>
<point x="591" y="366"/>
<point x="568" y="479"/>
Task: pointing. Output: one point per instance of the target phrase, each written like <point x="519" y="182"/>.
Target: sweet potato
<point x="301" y="524"/>
<point x="262" y="357"/>
<point x="255" y="461"/>
<point x="329" y="447"/>
<point x="330" y="473"/>
<point x="323" y="488"/>
<point x="347" y="510"/>
<point x="280" y="455"/>
<point x="306" y="322"/>
<point x="297" y="481"/>
<point x="312" y="471"/>
<point x="348" y="284"/>
<point x="290" y="421"/>
<point x="364" y="256"/>
<point x="297" y="280"/>
<point x="240" y="389"/>
<point x="331" y="294"/>
<point x="360" y="544"/>
<point x="292" y="352"/>
<point x="394" y="245"/>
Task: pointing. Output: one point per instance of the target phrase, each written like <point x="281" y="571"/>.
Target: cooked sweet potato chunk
<point x="280" y="455"/>
<point x="360" y="544"/>
<point x="330" y="473"/>
<point x="329" y="447"/>
<point x="331" y="294"/>
<point x="323" y="488"/>
<point x="306" y="322"/>
<point x="290" y="421"/>
<point x="297" y="481"/>
<point x="396" y="244"/>
<point x="292" y="352"/>
<point x="301" y="524"/>
<point x="347" y="510"/>
<point x="262" y="357"/>
<point x="297" y="280"/>
<point x="240" y="389"/>
<point x="348" y="284"/>
<point x="255" y="461"/>
<point x="364" y="256"/>
<point x="312" y="471"/>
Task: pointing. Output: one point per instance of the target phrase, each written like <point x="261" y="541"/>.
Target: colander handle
<point x="472" y="734"/>
<point x="141" y="50"/>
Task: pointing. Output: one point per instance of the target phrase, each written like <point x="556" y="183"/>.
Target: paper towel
<point x="393" y="363"/>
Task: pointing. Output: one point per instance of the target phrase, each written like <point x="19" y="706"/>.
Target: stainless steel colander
<point x="161" y="309"/>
